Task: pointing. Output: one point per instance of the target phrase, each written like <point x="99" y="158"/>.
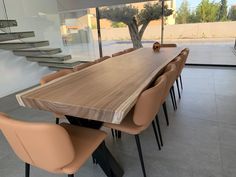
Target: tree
<point x="232" y="13"/>
<point x="183" y="13"/>
<point x="207" y="11"/>
<point x="193" y="18"/>
<point x="137" y="21"/>
<point x="223" y="10"/>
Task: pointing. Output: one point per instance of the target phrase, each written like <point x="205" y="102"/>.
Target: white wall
<point x="41" y="16"/>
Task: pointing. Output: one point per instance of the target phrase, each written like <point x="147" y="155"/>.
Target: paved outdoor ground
<point x="201" y="51"/>
<point x="200" y="141"/>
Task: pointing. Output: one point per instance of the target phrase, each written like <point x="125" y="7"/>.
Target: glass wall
<point x="118" y="34"/>
<point x="40" y="16"/>
<point x="79" y="33"/>
<point x="3" y="15"/>
<point x="72" y="31"/>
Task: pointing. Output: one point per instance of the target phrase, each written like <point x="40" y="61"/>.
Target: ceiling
<point x="70" y="5"/>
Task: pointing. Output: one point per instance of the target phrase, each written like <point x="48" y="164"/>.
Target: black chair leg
<point x="27" y="170"/>
<point x="156" y="135"/>
<point x="172" y="99"/>
<point x="71" y="175"/>
<point x="119" y="134"/>
<point x="166" y="113"/>
<point x="140" y="154"/>
<point x="181" y="82"/>
<point x="94" y="160"/>
<point x="116" y="133"/>
<point x="112" y="132"/>
<point x="159" y="129"/>
<point x="177" y="83"/>
<point x="173" y="91"/>
<point x="57" y="120"/>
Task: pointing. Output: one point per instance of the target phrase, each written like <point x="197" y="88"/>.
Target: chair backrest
<point x="148" y="103"/>
<point x="118" y="54"/>
<point x="53" y="76"/>
<point x="83" y="66"/>
<point x="170" y="73"/>
<point x="168" y="45"/>
<point x="184" y="53"/>
<point x="179" y="63"/>
<point x="46" y="146"/>
<point x="129" y="50"/>
<point x="102" y="59"/>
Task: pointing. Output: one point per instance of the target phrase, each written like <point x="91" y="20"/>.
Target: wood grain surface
<point x="106" y="91"/>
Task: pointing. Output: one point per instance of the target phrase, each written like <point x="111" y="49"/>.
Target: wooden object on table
<point x="105" y="92"/>
<point x="156" y="47"/>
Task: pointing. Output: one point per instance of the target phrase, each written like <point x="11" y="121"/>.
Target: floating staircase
<point x="15" y="36"/>
<point x="34" y="51"/>
<point x="7" y="23"/>
<point x="23" y="45"/>
<point x="46" y="58"/>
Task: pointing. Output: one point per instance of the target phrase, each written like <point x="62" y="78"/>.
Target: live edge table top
<point x="106" y="91"/>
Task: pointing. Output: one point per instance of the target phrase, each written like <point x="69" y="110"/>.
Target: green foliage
<point x="118" y="25"/>
<point x="232" y="13"/>
<point x="207" y="11"/>
<point x="193" y="18"/>
<point x="223" y="11"/>
<point x="134" y="18"/>
<point x="120" y="14"/>
<point x="183" y="13"/>
<point x="152" y="12"/>
<point x="127" y="14"/>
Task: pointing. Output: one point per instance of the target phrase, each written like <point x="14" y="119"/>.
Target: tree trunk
<point x="134" y="34"/>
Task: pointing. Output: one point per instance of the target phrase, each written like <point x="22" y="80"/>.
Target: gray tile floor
<point x="200" y="141"/>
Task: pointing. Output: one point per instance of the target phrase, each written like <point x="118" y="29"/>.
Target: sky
<point x="194" y="3"/>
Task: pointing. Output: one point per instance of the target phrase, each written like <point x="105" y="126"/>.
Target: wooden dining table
<point x="104" y="92"/>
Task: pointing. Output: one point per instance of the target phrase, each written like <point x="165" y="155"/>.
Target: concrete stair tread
<point x="49" y="58"/>
<point x="36" y="52"/>
<point x="64" y="64"/>
<point x="39" y="49"/>
<point x="7" y="23"/>
<point x="22" y="45"/>
<point x="15" y="35"/>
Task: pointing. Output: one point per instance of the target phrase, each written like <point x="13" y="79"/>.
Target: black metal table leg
<point x="102" y="155"/>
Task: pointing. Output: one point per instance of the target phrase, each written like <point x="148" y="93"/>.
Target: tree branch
<point x="142" y="30"/>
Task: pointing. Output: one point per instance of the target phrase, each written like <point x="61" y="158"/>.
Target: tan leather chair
<point x="83" y="66"/>
<point x="168" y="45"/>
<point x="129" y="50"/>
<point x="142" y="115"/>
<point x="102" y="59"/>
<point x="59" y="149"/>
<point x="184" y="55"/>
<point x="53" y="76"/>
<point x="118" y="54"/>
<point x="180" y="65"/>
<point x="170" y="73"/>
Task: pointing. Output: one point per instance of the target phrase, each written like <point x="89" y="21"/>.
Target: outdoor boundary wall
<point x="180" y="31"/>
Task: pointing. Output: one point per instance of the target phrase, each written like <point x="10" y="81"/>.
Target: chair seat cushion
<point x="85" y="141"/>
